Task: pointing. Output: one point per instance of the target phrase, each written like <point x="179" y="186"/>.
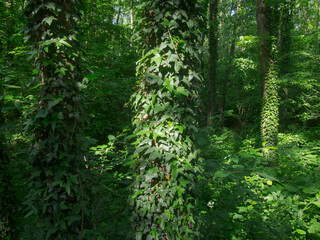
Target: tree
<point x="267" y="17"/>
<point x="165" y="159"/>
<point x="226" y="79"/>
<point x="6" y="224"/>
<point x="56" y="197"/>
<point x="213" y="58"/>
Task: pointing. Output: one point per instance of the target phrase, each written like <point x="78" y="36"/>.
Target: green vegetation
<point x="159" y="119"/>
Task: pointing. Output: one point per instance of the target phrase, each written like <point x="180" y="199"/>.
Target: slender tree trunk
<point x="213" y="57"/>
<point x="118" y="15"/>
<point x="226" y="79"/>
<point x="131" y="22"/>
<point x="131" y="14"/>
<point x="264" y="48"/>
<point x="10" y="24"/>
<point x="221" y="13"/>
<point x="284" y="40"/>
<point x="316" y="44"/>
<point x="95" y="20"/>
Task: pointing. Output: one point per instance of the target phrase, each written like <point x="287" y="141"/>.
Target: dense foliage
<point x="104" y="130"/>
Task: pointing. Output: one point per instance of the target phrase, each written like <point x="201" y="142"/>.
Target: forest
<point x="159" y="120"/>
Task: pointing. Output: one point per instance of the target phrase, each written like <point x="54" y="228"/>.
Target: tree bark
<point x="131" y="14"/>
<point x="118" y="16"/>
<point x="264" y="48"/>
<point x="213" y="57"/>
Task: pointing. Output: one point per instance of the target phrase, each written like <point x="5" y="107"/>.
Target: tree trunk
<point x="270" y="101"/>
<point x="226" y="79"/>
<point x="165" y="172"/>
<point x="213" y="57"/>
<point x="57" y="152"/>
<point x="131" y="14"/>
<point x="118" y="15"/>
<point x="316" y="44"/>
<point x="284" y="40"/>
<point x="264" y="47"/>
<point x="10" y="27"/>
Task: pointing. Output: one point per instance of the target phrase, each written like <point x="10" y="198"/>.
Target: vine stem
<point x="175" y="49"/>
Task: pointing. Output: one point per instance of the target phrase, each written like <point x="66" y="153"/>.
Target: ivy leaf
<point x="177" y="67"/>
<point x="50" y="5"/>
<point x="152" y="173"/>
<point x="172" y="57"/>
<point x="154" y="155"/>
<point x="49" y="20"/>
<point x="174" y="171"/>
<point x="165" y="22"/>
<point x="156" y="59"/>
<point x="163" y="45"/>
<point x="183" y="181"/>
<point x="182" y="91"/>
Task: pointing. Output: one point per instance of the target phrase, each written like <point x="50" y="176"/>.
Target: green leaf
<point x="156" y="59"/>
<point x="111" y="138"/>
<point x="50" y="5"/>
<point x="136" y="194"/>
<point x="301" y="232"/>
<point x="49" y="20"/>
<point x="183" y="181"/>
<point x="154" y="155"/>
<point x="179" y="191"/>
<point x="138" y="235"/>
<point x="317" y="203"/>
<point x="10" y="86"/>
<point x="152" y="173"/>
<point x="222" y="174"/>
<point x="165" y="22"/>
<point x="182" y="91"/>
<point x="65" y="43"/>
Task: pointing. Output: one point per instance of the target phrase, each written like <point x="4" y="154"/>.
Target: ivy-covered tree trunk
<point x="270" y="101"/>
<point x="213" y="58"/>
<point x="56" y="198"/>
<point x="165" y="159"/>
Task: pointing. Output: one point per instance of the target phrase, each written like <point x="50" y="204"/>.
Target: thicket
<point x="104" y="120"/>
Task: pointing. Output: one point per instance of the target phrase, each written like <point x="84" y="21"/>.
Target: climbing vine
<point x="56" y="199"/>
<point x="270" y="112"/>
<point x="267" y="18"/>
<point x="165" y="159"/>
